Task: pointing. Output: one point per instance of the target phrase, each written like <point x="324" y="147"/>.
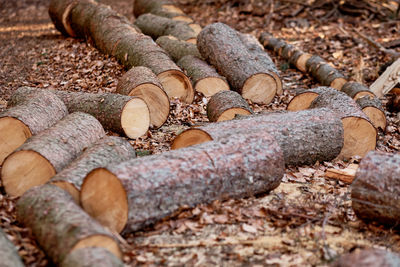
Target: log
<point x="359" y="133"/>
<point x="108" y="150"/>
<point x="19" y="122"/>
<point x="225" y="105"/>
<point x="91" y="256"/>
<point x="121" y="114"/>
<point x="220" y="45"/>
<point x="370" y="257"/>
<point x="143" y="83"/>
<point x="161" y="8"/>
<point x="47" y="153"/>
<point x="356" y="90"/>
<point x="8" y="253"/>
<point x="176" y="48"/>
<point x="304" y="98"/>
<point x="205" y="78"/>
<point x="59" y="225"/>
<point x="372" y="107"/>
<point x="305" y="136"/>
<point x="59" y="12"/>
<point x="329" y="76"/>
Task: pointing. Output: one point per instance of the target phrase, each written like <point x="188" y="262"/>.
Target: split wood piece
<point x="205" y="78"/>
<point x="360" y="134"/>
<point x="372" y="107"/>
<point x="47" y="153"/>
<point x="225" y="105"/>
<point x="388" y="80"/>
<point x="375" y="191"/>
<point x="122" y="114"/>
<point x="156" y="26"/>
<point x="91" y="256"/>
<point x="143" y="83"/>
<point x="161" y="8"/>
<point x="305" y="136"/>
<point x="28" y="118"/>
<point x="325" y="73"/>
<point x="345" y="175"/>
<point x="176" y="48"/>
<point x="137" y="193"/>
<point x="8" y="253"/>
<point x="59" y="225"/>
<point x="371" y="257"/>
<point x="221" y="46"/>
<point x="108" y="150"/>
<point x="356" y="90"/>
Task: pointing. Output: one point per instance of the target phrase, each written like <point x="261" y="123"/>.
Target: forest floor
<point x="306" y="221"/>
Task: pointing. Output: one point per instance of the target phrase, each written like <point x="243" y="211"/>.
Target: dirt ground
<point x="306" y="221"/>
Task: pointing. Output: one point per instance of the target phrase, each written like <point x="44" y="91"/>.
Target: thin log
<point x="356" y="90"/>
<point x="225" y="105"/>
<point x="160" y="8"/>
<point x="370" y="257"/>
<point x="372" y="107"/>
<point x="176" y="48"/>
<point x="47" y="153"/>
<point x="8" y="253"/>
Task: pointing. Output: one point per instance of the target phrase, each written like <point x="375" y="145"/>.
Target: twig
<point x="378" y="46"/>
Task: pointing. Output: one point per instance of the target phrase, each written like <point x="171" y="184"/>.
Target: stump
<point x="226" y="105"/>
<point x="8" y="253"/>
<point x="139" y="192"/>
<point x="91" y="256"/>
<point x="161" y="8"/>
<point x="47" y="153"/>
<point x="176" y="48"/>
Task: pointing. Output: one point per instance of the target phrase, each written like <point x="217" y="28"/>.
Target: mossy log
<point x="59" y="225"/>
<point x="47" y="153"/>
<point x="8" y="253"/>
<point x="372" y="107"/>
<point x="143" y="83"/>
<point x="161" y="8"/>
<point x="137" y="193"/>
<point x="221" y="46"/>
<point x="356" y="90"/>
<point x="91" y="256"/>
<point x="371" y="257"/>
<point x="176" y="48"/>
<point x="205" y="78"/>
<point x="225" y="105"/>
<point x="108" y="150"/>
<point x="305" y="136"/>
<point x="22" y="120"/>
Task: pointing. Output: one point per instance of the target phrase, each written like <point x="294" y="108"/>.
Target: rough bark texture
<point x="176" y="48"/>
<point x="57" y="222"/>
<point x="375" y="191"/>
<point x="356" y="90"/>
<point x="135" y="77"/>
<point x="326" y="74"/>
<point x="372" y="257"/>
<point x="313" y="64"/>
<point x="223" y="101"/>
<point x="366" y="101"/>
<point x="372" y="107"/>
<point x="59" y="15"/>
<point x="8" y="253"/>
<point x="90" y="257"/>
<point x="161" y="8"/>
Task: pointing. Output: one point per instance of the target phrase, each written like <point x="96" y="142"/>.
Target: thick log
<point x="122" y="114"/>
<point x="143" y="83"/>
<point x="108" y="150"/>
<point x="305" y="136"/>
<point x="8" y="253"/>
<point x="176" y="48"/>
<point x="161" y="8"/>
<point x="91" y="256"/>
<point x="21" y="121"/>
<point x="225" y="105"/>
<point x="371" y="257"/>
<point x="47" y="153"/>
<point x="356" y="90"/>
<point x="221" y="46"/>
<point x="359" y="133"/>
<point x="143" y="193"/>
<point x="59" y="11"/>
<point x="372" y="107"/>
<point x="375" y="192"/>
<point x="59" y="225"/>
<point x="205" y="78"/>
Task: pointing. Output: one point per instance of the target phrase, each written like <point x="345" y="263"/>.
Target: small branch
<point x="378" y="46"/>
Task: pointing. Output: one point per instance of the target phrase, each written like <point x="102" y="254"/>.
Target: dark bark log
<point x="8" y="253"/>
<point x="305" y="136"/>
<point x="221" y="46"/>
<point x="313" y="63"/>
<point x="369" y="258"/>
<point x="47" y="153"/>
<point x="90" y="257"/>
<point x="143" y="83"/>
<point x="356" y="90"/>
<point x="108" y="150"/>
<point x="189" y="176"/>
<point x="329" y="76"/>
<point x="225" y="105"/>
<point x="176" y="48"/>
<point x="22" y="120"/>
<point x="205" y="78"/>
<point x="375" y="191"/>
<point x="372" y="107"/>
<point x="59" y="225"/>
<point x="59" y="13"/>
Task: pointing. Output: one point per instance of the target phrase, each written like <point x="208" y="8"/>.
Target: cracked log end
<point x="190" y="137"/>
<point x="301" y="62"/>
<point x="109" y="208"/>
<point x="177" y="84"/>
<point x="211" y="85"/>
<point x="102" y="241"/>
<point x="260" y="88"/>
<point x="302" y="101"/>
<point x="135" y="118"/>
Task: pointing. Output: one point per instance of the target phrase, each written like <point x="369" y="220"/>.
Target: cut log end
<point x="13" y="133"/>
<point x="102" y="241"/>
<point x="231" y="113"/>
<point x="338" y="83"/>
<point x="183" y="18"/>
<point x="363" y="94"/>
<point x="301" y="62"/>
<point x="70" y="188"/>
<point x="260" y="88"/>
<point x="302" y="101"/>
<point x="192" y="41"/>
<point x="189" y="138"/>
<point x="376" y="116"/>
<point x="23" y="170"/>
<point x="135" y="118"/>
<point x="109" y="208"/>
<point x="177" y="84"/>
<point x="210" y="86"/>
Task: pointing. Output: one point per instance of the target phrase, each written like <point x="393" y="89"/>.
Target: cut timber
<point x="304" y="99"/>
<point x="59" y="12"/>
<point x="8" y="253"/>
<point x="356" y="90"/>
<point x="372" y="107"/>
<point x="345" y="175"/>
<point x="226" y="105"/>
<point x="139" y="192"/>
<point x="388" y="80"/>
<point x="221" y="46"/>
<point x="176" y="48"/>
<point x="59" y="225"/>
<point x="205" y="78"/>
<point x="305" y="136"/>
<point x="161" y="8"/>
<point x="90" y="257"/>
<point x="372" y="257"/>
<point x="375" y="191"/>
<point x="325" y="73"/>
<point x="143" y="83"/>
<point x="122" y="114"/>
<point x="48" y="152"/>
<point x="108" y="150"/>
<point x="28" y="118"/>
<point x="359" y="134"/>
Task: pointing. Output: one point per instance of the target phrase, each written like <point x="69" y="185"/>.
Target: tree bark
<point x="225" y="105"/>
<point x="369" y="258"/>
<point x="372" y="107"/>
<point x="176" y="48"/>
<point x="91" y="256"/>
<point x="230" y="168"/>
<point x="221" y="46"/>
<point x="160" y="8"/>
<point x="58" y="12"/>
<point x="329" y="76"/>
<point x="22" y="120"/>
<point x="8" y="253"/>
<point x="356" y="90"/>
<point x="59" y="225"/>
<point x="305" y="136"/>
<point x="108" y="150"/>
<point x="47" y="153"/>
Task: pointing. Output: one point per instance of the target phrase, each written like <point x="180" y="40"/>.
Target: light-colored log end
<point x="70" y="188"/>
<point x="101" y="241"/>
<point x="135" y="118"/>
<point x="260" y="88"/>
<point x="376" y="116"/>
<point x="190" y="137"/>
<point x="231" y="113"/>
<point x="177" y="84"/>
<point x="301" y="101"/>
<point x="210" y="86"/>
